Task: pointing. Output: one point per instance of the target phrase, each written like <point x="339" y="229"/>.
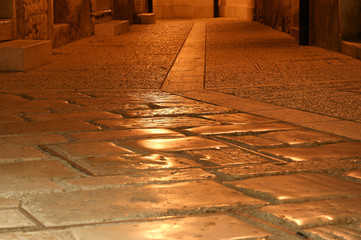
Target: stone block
<point x="145" y="18"/>
<point x="111" y="28"/>
<point x="24" y="55"/>
<point x="352" y="49"/>
<point x="6" y="29"/>
<point x="61" y="34"/>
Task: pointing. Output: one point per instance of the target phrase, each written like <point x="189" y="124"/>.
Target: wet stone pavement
<point x="154" y="165"/>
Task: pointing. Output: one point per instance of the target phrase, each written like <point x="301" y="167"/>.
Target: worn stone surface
<point x="174" y="144"/>
<point x="318" y="213"/>
<point x="127" y="164"/>
<point x="156" y="122"/>
<point x="299" y="187"/>
<point x="228" y="156"/>
<point x="18" y="186"/>
<point x="242" y="128"/>
<point x="336" y="151"/>
<point x="45" y="127"/>
<point x="253" y="141"/>
<point x="333" y="232"/>
<point x="16" y="153"/>
<point x="177" y="111"/>
<point x="35" y="169"/>
<point x="356" y="174"/>
<point x="33" y="139"/>
<point x="318" y="166"/>
<point x="12" y="218"/>
<point x="145" y="177"/>
<point x="85" y="116"/>
<point x="124" y="134"/>
<point x="239" y="118"/>
<point x="134" y="202"/>
<point x="302" y="137"/>
<point x="202" y="227"/>
<point x="76" y="150"/>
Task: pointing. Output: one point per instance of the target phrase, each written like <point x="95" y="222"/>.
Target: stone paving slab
<point x="317" y="213"/>
<point x="253" y="141"/>
<point x="156" y="122"/>
<point x="297" y="137"/>
<point x="239" y="118"/>
<point x="18" y="186"/>
<point x="10" y="118"/>
<point x="228" y="156"/>
<point x="17" y="153"/>
<point x="12" y="218"/>
<point x="79" y="150"/>
<point x="85" y="116"/>
<point x="8" y="203"/>
<point x="177" y="111"/>
<point x="298" y="187"/>
<point x="242" y="128"/>
<point x="134" y="202"/>
<point x="335" y="151"/>
<point x="35" y="236"/>
<point x="131" y="163"/>
<point x="173" y="144"/>
<point x="45" y="127"/>
<point x="334" y="232"/>
<point x="139" y="178"/>
<point x="35" y="169"/>
<point x="124" y="134"/>
<point x="33" y="139"/>
<point x="322" y="166"/>
<point x="355" y="174"/>
<point x="198" y="227"/>
<point x="36" y="94"/>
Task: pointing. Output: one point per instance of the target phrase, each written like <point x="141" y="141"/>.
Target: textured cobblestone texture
<point x="104" y="161"/>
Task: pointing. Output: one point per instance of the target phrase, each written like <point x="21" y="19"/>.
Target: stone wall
<point x="32" y="19"/>
<point x="275" y="13"/>
<point x="183" y="8"/>
<point x="325" y="24"/>
<point x="350" y="19"/>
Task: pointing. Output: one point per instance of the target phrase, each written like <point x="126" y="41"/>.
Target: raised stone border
<point x="24" y="55"/>
<point x="111" y="28"/>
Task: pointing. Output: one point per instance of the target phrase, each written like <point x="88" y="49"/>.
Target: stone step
<point x="24" y="55"/>
<point x="352" y="49"/>
<point x="145" y="18"/>
<point x="111" y="28"/>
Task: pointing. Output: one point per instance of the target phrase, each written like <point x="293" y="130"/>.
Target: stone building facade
<point x="61" y="21"/>
<point x="330" y="21"/>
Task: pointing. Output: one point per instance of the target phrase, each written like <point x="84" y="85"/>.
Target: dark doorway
<point x="215" y="8"/>
<point x="304" y="22"/>
<point x="150" y="6"/>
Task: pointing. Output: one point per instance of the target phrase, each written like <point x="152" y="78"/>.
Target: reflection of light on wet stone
<point x="329" y="151"/>
<point x="318" y="213"/>
<point x="200" y="227"/>
<point x="174" y="144"/>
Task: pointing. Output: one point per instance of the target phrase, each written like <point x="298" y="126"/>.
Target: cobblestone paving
<point x="155" y="165"/>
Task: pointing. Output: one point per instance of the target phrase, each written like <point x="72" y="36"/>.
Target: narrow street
<point x="183" y="129"/>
